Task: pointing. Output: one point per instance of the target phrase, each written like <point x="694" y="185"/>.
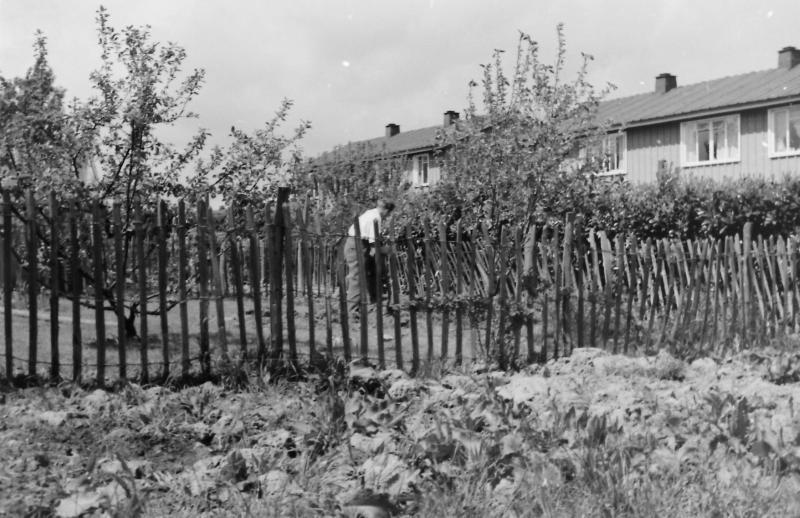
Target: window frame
<point x="418" y="161"/>
<point x="726" y="119"/>
<point x="771" y="134"/>
<point x="622" y="163"/>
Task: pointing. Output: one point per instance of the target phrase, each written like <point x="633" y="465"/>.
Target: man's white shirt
<point x="365" y="225"/>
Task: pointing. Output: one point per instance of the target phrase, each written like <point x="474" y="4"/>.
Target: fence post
<point x="328" y="308"/>
<point x="580" y="247"/>
<point x="140" y="259"/>
<point x="472" y="263"/>
<point x="307" y="266"/>
<point x="567" y="276"/>
<point x="289" y="252"/>
<point x="644" y="286"/>
<point x="502" y="300"/>
<point x="266" y="273"/>
<point x="202" y="280"/>
<point x="543" y="252"/>
<point x="362" y="285"/>
<point x="182" y="305"/>
<point x="714" y="268"/>
<point x="427" y="265"/>
<point x="684" y="275"/>
<point x="632" y="258"/>
<point x="734" y="281"/>
<point x="77" y="351"/>
<point x="276" y="270"/>
<point x="595" y="289"/>
<point x="99" y="283"/>
<point x="216" y="278"/>
<point x="746" y="269"/>
<point x="162" y="285"/>
<point x="236" y="266"/>
<point x="490" y="272"/>
<point x="788" y="301"/>
<point x="398" y="333"/>
<point x="8" y="288"/>
<point x="557" y="278"/>
<point x="55" y="368"/>
<point x="459" y="292"/>
<point x="727" y="292"/>
<point x="776" y="301"/>
<point x="255" y="281"/>
<point x="33" y="284"/>
<point x="271" y="258"/>
<point x="619" y="276"/>
<point x="656" y="288"/>
<point x="707" y="292"/>
<point x="412" y="302"/>
<point x="343" y="309"/>
<point x="119" y="284"/>
<point x="531" y="274"/>
<point x="379" y="293"/>
<point x="762" y="305"/>
<point x="697" y="272"/>
<point x="518" y="281"/>
<point x="445" y="287"/>
<point x="791" y="250"/>
<point x="609" y="282"/>
<point x="670" y="274"/>
<point x="326" y="268"/>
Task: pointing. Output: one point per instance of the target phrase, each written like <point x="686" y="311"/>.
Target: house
<point x="416" y="149"/>
<point x="747" y="124"/>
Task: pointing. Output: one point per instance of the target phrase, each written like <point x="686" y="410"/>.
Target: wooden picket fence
<point x="527" y="295"/>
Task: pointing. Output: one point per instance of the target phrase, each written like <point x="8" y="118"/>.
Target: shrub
<point x="691" y="208"/>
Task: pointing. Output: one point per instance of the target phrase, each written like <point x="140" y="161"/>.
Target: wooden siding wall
<point x="646" y="146"/>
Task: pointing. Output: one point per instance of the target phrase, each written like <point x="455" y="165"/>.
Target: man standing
<point x="367" y="231"/>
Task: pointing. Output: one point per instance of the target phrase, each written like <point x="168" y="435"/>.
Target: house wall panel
<point x="647" y="146"/>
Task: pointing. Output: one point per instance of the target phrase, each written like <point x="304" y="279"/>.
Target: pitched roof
<point x="733" y="92"/>
<point x="717" y="95"/>
<point x="403" y="143"/>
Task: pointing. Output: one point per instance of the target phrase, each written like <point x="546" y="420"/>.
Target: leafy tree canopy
<point x="515" y="156"/>
<point x="35" y="132"/>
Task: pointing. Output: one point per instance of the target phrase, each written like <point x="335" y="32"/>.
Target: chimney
<point x="788" y="57"/>
<point x="665" y="82"/>
<point x="450" y="117"/>
<point x="392" y="129"/>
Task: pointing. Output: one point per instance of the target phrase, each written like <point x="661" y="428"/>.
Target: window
<point x="784" y="131"/>
<point x="710" y="141"/>
<point x="609" y="157"/>
<point x="422" y="163"/>
<point x="613" y="154"/>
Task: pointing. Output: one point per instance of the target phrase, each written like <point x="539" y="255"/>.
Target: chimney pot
<point x="450" y="117"/>
<point x="788" y="57"/>
<point x="392" y="129"/>
<point x="665" y="82"/>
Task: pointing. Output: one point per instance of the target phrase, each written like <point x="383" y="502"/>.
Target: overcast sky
<point x="352" y="66"/>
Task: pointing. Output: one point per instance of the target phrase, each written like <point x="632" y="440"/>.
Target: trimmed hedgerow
<point x="693" y="208"/>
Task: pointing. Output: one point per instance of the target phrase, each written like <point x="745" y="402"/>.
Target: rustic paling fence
<point x="277" y="288"/>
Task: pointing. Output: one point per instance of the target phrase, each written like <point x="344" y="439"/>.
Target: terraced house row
<point x="747" y="124"/>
